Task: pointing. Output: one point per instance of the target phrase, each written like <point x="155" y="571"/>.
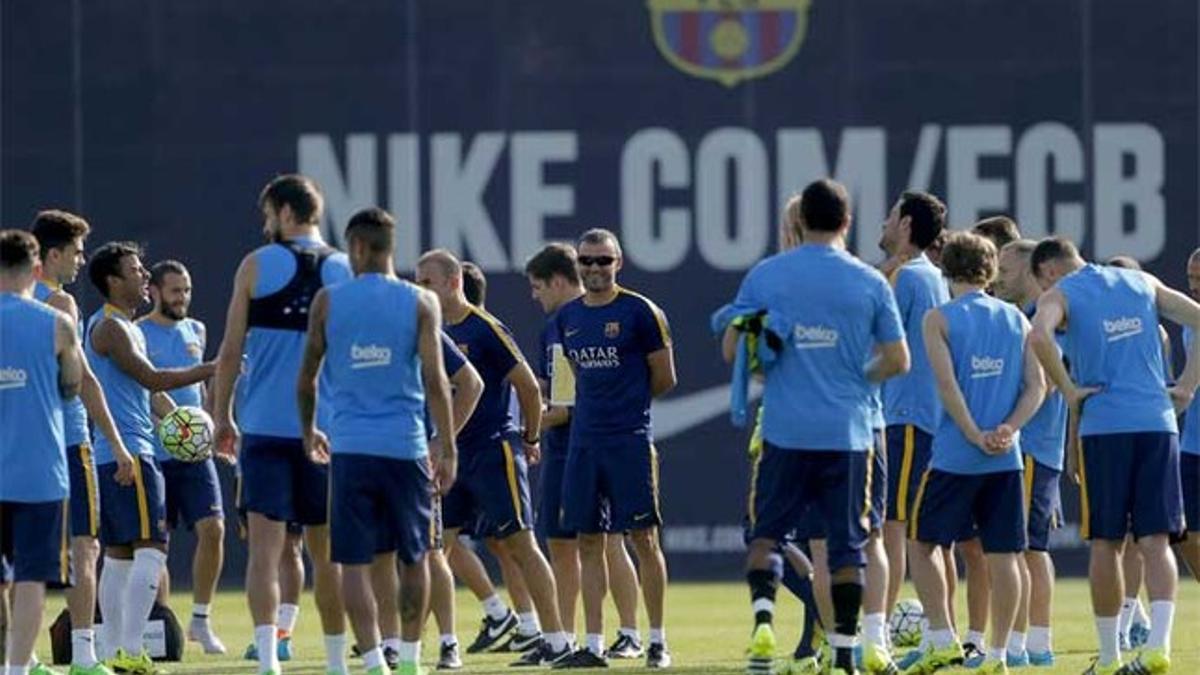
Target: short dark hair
<point x="1124" y="262"/>
<point x="474" y="284"/>
<point x="1002" y="230"/>
<point x="374" y="227"/>
<point x="926" y="214"/>
<point x="300" y="193"/>
<point x="554" y="260"/>
<point x="106" y="262"/>
<point x="1051" y="248"/>
<point x="599" y="235"/>
<point x="969" y="258"/>
<point x="55" y="229"/>
<point x="164" y="267"/>
<point x="18" y="251"/>
<point x="824" y="205"/>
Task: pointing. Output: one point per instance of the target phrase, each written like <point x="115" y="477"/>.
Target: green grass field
<point x="707" y="630"/>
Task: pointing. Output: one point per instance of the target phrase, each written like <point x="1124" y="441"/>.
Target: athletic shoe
<point x="1041" y="659"/>
<point x="1123" y="642"/>
<point x="448" y="657"/>
<point x="933" y="660"/>
<point x="909" y="659"/>
<point x="202" y="632"/>
<point x="1148" y="662"/>
<point x="283" y="648"/>
<point x="658" y="656"/>
<point x="98" y="669"/>
<point x="581" y="658"/>
<point x="1096" y="669"/>
<point x="140" y="664"/>
<point x="391" y="657"/>
<point x="542" y="655"/>
<point x="491" y="631"/>
<point x="520" y="643"/>
<point x="994" y="667"/>
<point x="529" y="657"/>
<point x="805" y="666"/>
<point x="973" y="656"/>
<point x="625" y="647"/>
<point x="761" y="653"/>
<point x="876" y="661"/>
<point x="42" y="669"/>
<point x="1016" y="659"/>
<point x="1139" y="633"/>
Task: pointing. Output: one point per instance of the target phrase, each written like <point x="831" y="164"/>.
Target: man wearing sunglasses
<point x="619" y="346"/>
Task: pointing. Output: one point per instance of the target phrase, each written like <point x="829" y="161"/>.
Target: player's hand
<point x="124" y="475"/>
<point x="999" y="440"/>
<point x="445" y="471"/>
<point x="1180" y="397"/>
<point x="226" y="437"/>
<point x="1076" y="396"/>
<point x="316" y="444"/>
<point x="533" y="451"/>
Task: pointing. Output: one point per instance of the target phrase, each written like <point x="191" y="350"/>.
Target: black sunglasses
<point x="600" y="260"/>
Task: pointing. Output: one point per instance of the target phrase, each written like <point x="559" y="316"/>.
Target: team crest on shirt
<point x="464" y="348"/>
<point x="612" y="329"/>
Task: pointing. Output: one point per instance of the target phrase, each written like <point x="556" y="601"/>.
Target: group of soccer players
<point x="364" y="414"/>
<point x="930" y="406"/>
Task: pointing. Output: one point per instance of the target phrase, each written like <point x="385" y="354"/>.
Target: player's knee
<point x="591" y="545"/>
<point x="645" y="540"/>
<point x="211" y="531"/>
<point x="85" y="549"/>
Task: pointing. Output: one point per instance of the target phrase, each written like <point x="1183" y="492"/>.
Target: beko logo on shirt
<point x="985" y="366"/>
<point x="12" y="378"/>
<point x="1124" y="327"/>
<point x="595" y="357"/>
<point x="814" y="337"/>
<point x="370" y="356"/>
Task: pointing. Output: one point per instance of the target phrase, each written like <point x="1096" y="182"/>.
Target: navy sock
<point x="762" y="586"/>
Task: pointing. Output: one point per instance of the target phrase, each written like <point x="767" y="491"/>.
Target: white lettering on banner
<point x="717" y="199"/>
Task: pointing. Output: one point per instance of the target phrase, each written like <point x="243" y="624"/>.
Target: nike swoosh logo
<point x="571" y="331"/>
<point x="497" y="631"/>
<point x="674" y="416"/>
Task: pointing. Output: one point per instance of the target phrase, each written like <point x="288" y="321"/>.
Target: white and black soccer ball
<point x="905" y="623"/>
<point x="186" y="434"/>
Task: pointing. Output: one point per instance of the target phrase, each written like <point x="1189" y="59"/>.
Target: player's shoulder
<point x="40" y="309"/>
<point x="638" y="301"/>
<point x="488" y="321"/>
<point x="62" y="301"/>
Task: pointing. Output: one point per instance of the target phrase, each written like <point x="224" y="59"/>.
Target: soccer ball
<point x="905" y="624"/>
<point x="186" y="434"/>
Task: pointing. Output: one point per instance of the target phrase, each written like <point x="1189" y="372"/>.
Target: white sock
<point x="1126" y="615"/>
<point x="658" y="636"/>
<point x="144" y="576"/>
<point x="557" y="640"/>
<point x="630" y="632"/>
<point x="265" y="642"/>
<point x="1139" y="612"/>
<point x="976" y="638"/>
<point x="995" y="654"/>
<point x="83" y="647"/>
<point x="410" y="652"/>
<point x="447" y="639"/>
<point x="529" y="623"/>
<point x="285" y="617"/>
<point x="495" y="607"/>
<point x="114" y="579"/>
<point x="1162" y="617"/>
<point x="373" y="658"/>
<point x="1016" y="642"/>
<point x="925" y="630"/>
<point x="200" y="612"/>
<point x="941" y="638"/>
<point x="1039" y="640"/>
<point x="595" y="643"/>
<point x="335" y="653"/>
<point x="1110" y="644"/>
<point x="873" y="631"/>
<point x="392" y="643"/>
<point x="18" y="670"/>
<point x="570" y="638"/>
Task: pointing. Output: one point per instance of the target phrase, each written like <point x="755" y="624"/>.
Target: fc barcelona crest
<point x="612" y="329"/>
<point x="729" y="40"/>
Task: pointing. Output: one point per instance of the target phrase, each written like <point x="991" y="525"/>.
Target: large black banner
<point x="490" y="128"/>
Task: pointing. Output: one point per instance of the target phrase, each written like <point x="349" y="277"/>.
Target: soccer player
<point x="1042" y="443"/>
<point x="910" y="402"/>
<point x="1189" y="461"/>
<point x="618" y="345"/>
<point x="553" y="275"/>
<point x="990" y="386"/>
<point x="1000" y="230"/>
<point x="61" y="237"/>
<point x="816" y="436"/>
<point x="1129" y="449"/>
<point x="379" y="340"/>
<point x="132" y="523"/>
<point x="493" y="490"/>
<point x="193" y="492"/>
<point x="266" y="322"/>
<point x="41" y="369"/>
<point x="291" y="585"/>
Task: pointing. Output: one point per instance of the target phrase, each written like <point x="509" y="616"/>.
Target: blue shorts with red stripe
<point x="949" y="504"/>
<point x="1131" y="483"/>
<point x="1043" y="503"/>
<point x="909" y="449"/>
<point x="491" y="493"/>
<point x="135" y="512"/>
<point x="611" y="485"/>
<point x="85" y="492"/>
<point x="193" y="492"/>
<point x="379" y="505"/>
<point x="33" y="542"/>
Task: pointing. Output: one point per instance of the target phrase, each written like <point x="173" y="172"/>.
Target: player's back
<point x="288" y="276"/>
<point x="912" y="398"/>
<point x="489" y="346"/>
<point x="986" y="337"/>
<point x="836" y="308"/>
<point x="373" y="366"/>
<point x="1113" y="343"/>
<point x="128" y="401"/>
<point x="32" y="448"/>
